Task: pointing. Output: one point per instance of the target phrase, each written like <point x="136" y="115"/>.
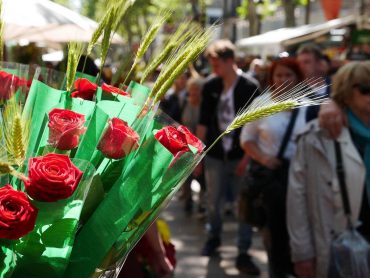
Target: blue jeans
<point x="220" y="175"/>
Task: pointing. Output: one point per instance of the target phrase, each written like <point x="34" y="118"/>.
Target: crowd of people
<point x="281" y="171"/>
<point x="288" y="157"/>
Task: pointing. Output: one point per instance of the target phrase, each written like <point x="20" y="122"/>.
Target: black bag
<point x="265" y="186"/>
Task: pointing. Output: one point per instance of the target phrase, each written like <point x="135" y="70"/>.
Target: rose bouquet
<point x="88" y="166"/>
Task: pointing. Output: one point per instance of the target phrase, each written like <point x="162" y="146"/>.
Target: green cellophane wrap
<point x="45" y="251"/>
<point x="133" y="200"/>
<point x="21" y="71"/>
<point x="147" y="214"/>
<point x="40" y="101"/>
<point x="138" y="92"/>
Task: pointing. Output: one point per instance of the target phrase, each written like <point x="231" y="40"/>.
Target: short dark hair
<point x="310" y="48"/>
<point x="223" y="49"/>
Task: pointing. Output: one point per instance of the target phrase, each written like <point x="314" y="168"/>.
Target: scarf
<point x="361" y="138"/>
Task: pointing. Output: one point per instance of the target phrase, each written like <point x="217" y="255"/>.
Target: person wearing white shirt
<point x="261" y="141"/>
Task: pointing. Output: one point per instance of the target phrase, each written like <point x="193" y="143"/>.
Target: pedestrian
<point x="190" y="118"/>
<point x="225" y="92"/>
<point x="315" y="210"/>
<point x="175" y="98"/>
<point x="270" y="144"/>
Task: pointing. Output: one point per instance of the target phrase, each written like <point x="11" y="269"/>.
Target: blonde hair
<point x="346" y="78"/>
<point x="197" y="81"/>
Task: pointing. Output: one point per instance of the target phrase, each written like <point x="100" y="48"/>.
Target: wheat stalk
<point x="97" y="33"/>
<point x="148" y="38"/>
<point x="75" y="50"/>
<point x="182" y="34"/>
<point x="173" y="62"/>
<point x="16" y="133"/>
<point x="192" y="50"/>
<point x="107" y="33"/>
<point x="122" y="9"/>
<point x="281" y="99"/>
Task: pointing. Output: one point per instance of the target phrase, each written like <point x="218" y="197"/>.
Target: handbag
<point x="349" y="251"/>
<point x="260" y="180"/>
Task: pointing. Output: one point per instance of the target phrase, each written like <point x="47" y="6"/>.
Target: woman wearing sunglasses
<point x="314" y="206"/>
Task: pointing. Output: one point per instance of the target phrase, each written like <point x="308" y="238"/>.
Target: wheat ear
<point x="281" y="99"/>
<point x="182" y="34"/>
<point x="75" y="50"/>
<point x="148" y="38"/>
<point x="173" y="61"/>
<point x="193" y="49"/>
<point x="16" y="132"/>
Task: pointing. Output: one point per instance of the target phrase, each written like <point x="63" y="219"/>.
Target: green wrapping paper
<point x="41" y="99"/>
<point x="45" y="251"/>
<point x="138" y="92"/>
<point x="159" y="199"/>
<point x="135" y="193"/>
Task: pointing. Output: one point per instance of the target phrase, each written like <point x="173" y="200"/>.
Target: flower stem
<point x="215" y="142"/>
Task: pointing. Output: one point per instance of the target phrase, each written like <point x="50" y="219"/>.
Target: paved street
<point x="188" y="236"/>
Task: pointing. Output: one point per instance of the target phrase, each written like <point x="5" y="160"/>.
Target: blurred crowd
<point x="280" y="171"/>
<point x="280" y="175"/>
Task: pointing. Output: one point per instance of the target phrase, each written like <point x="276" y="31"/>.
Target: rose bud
<point x="9" y="83"/>
<point x="191" y="139"/>
<point x="17" y="214"/>
<point x="118" y="139"/>
<point x="172" y="139"/>
<point x="84" y="89"/>
<point x="52" y="177"/>
<point x="111" y="89"/>
<point x="65" y="128"/>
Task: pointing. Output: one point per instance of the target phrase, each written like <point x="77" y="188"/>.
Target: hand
<point x="163" y="266"/>
<point x="332" y="119"/>
<point x="270" y="162"/>
<point x="241" y="167"/>
<point x="305" y="269"/>
<point x="198" y="170"/>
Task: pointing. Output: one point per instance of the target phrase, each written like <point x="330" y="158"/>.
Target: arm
<point x="253" y="151"/>
<point x="332" y="119"/>
<point x="299" y="228"/>
<point x="161" y="263"/>
<point x="242" y="166"/>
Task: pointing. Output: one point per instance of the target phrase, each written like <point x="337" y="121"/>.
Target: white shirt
<point x="268" y="132"/>
<point x="226" y="113"/>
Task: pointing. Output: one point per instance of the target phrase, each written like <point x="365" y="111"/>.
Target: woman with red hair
<point x="270" y="144"/>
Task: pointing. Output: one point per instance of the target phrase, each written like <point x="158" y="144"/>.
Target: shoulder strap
<point x="342" y="182"/>
<point x="288" y="133"/>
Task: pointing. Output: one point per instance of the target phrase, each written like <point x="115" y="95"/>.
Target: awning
<point x="273" y="42"/>
<point x="46" y="21"/>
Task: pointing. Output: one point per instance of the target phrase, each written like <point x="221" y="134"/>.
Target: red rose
<point x="111" y="89"/>
<point x="17" y="214"/>
<point x="65" y="128"/>
<point x="9" y="83"/>
<point x="52" y="177"/>
<point x="191" y="139"/>
<point x="84" y="89"/>
<point x="118" y="140"/>
<point x="172" y="139"/>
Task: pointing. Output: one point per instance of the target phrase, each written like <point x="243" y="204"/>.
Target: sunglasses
<point x="363" y="88"/>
